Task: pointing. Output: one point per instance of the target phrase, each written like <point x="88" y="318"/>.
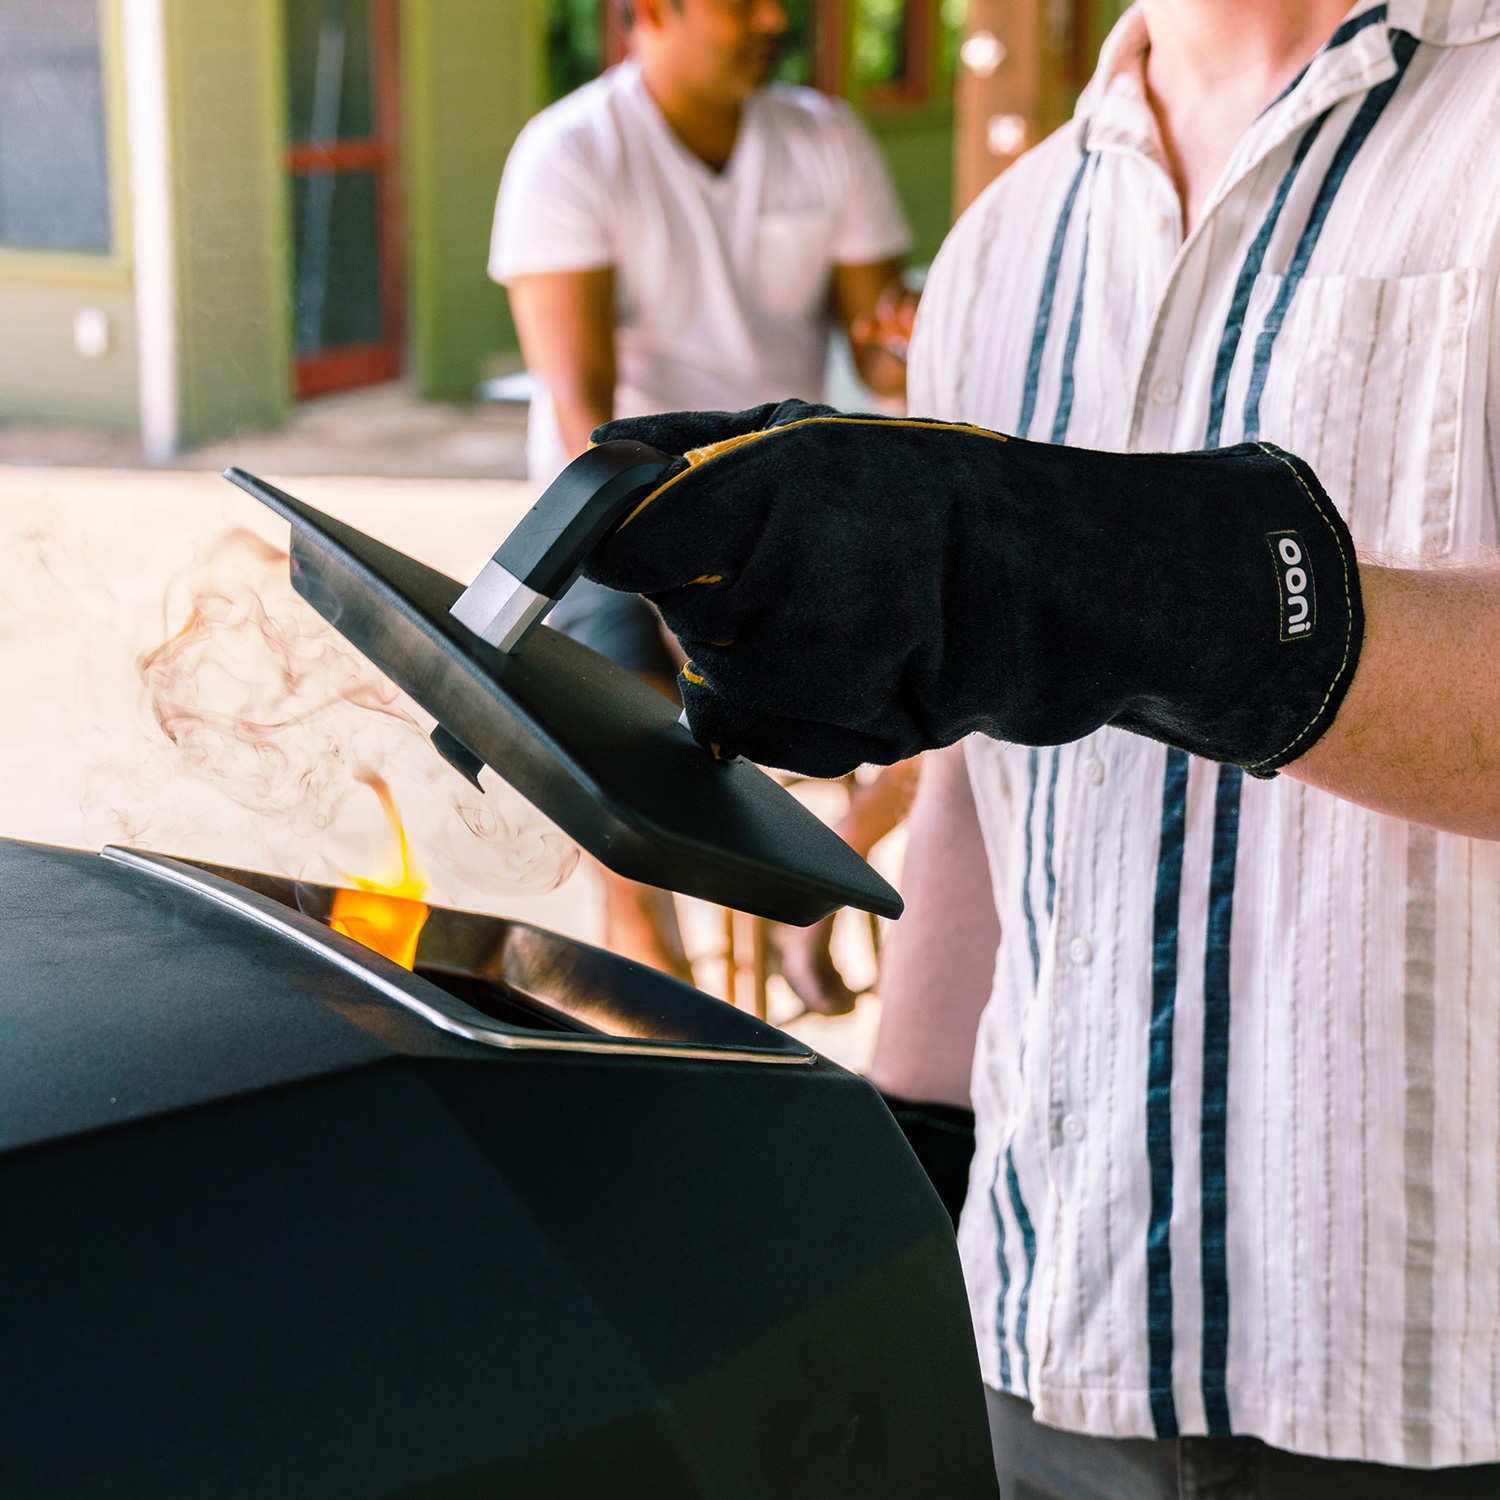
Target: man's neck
<point x="1214" y="65"/>
<point x="708" y="128"/>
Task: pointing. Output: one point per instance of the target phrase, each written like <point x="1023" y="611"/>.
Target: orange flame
<point x="386" y="915"/>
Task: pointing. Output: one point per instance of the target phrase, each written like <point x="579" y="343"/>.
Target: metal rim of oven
<point x="421" y="998"/>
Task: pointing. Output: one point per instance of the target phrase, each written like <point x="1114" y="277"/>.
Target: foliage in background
<point x="951" y="17"/>
<point x="798" y="60"/>
<point x="877" y="43"/>
<point x="575" y="44"/>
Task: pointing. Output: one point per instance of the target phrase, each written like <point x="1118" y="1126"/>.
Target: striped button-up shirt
<point x="1238" y="1082"/>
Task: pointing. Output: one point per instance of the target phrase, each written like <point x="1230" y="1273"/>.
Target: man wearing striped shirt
<point x="1233" y="1225"/>
<point x="1238" y="1079"/>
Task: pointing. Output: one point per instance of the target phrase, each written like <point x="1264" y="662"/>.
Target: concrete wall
<point x="472" y="78"/>
<point x="226" y="117"/>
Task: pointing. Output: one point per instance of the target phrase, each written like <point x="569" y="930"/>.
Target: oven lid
<point x="595" y="749"/>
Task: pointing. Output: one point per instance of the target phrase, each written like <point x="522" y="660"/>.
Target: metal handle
<point x="537" y="563"/>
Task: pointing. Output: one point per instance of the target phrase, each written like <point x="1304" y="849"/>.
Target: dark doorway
<point x="343" y="123"/>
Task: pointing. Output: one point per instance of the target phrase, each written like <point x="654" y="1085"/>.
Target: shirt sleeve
<point x="869" y="224"/>
<point x="551" y="214"/>
<point x="938" y="339"/>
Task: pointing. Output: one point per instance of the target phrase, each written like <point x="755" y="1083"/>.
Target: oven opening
<point x="497" y="1000"/>
<point x="513" y="985"/>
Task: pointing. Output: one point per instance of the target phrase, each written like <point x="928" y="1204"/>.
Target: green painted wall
<point x="472" y="78"/>
<point x="41" y="374"/>
<point x="918" y="145"/>
<point x="226" y="113"/>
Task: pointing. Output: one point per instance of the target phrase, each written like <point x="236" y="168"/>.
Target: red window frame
<point x="325" y="370"/>
<point x="915" y="86"/>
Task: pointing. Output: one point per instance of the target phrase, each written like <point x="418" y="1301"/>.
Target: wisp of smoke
<point x="253" y="700"/>
<point x="255" y="696"/>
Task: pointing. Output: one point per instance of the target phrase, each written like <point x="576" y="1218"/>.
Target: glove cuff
<point x="1330" y="666"/>
<point x="1260" y="628"/>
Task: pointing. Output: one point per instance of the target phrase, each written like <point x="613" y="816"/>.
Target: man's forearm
<point x="566" y="323"/>
<point x="579" y="412"/>
<point x="937" y="963"/>
<point x="1418" y="735"/>
<point x="877" y="313"/>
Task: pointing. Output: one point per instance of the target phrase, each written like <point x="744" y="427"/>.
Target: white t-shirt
<point x="721" y="279"/>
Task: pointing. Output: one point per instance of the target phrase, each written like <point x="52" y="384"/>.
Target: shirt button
<point x="1093" y="771"/>
<point x="1072" y="1127"/>
<point x="1160" y="223"/>
<point x="1079" y="950"/>
<point x="1165" y="392"/>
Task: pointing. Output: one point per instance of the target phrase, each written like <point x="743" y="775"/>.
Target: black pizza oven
<point x="284" y="1219"/>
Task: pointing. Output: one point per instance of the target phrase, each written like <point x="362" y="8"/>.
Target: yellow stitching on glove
<point x="707" y="578"/>
<point x="691" y="675"/>
<point x="729" y="642"/>
<point x="697" y="457"/>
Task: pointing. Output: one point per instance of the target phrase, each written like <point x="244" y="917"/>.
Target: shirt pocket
<point x="790" y="268"/>
<point x="1376" y="383"/>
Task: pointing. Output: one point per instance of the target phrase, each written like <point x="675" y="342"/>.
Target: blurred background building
<point x="213" y="209"/>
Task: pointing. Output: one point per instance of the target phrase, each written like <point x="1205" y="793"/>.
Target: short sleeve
<point x="869" y="224"/>
<point x="551" y="214"/>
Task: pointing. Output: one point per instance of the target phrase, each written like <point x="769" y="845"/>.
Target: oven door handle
<point x="538" y="562"/>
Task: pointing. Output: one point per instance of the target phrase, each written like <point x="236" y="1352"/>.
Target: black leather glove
<point x="857" y="589"/>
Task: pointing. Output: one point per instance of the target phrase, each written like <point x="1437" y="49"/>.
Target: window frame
<point x="917" y="87"/>
<point x="339" y="367"/>
<point x="104" y="268"/>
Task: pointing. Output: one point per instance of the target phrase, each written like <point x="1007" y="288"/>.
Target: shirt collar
<point x="1445" y="23"/>
<point x="1112" y="109"/>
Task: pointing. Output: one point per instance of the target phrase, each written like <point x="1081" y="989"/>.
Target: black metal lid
<point x="584" y="740"/>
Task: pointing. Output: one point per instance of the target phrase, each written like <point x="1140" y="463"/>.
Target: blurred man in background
<point x="682" y="232"/>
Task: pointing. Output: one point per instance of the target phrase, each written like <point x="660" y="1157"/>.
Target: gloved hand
<point x="856" y="589"/>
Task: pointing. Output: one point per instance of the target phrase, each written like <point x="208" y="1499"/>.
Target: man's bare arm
<point x="877" y="312"/>
<point x="937" y="964"/>
<point x="1418" y="735"/>
<point x="567" y="326"/>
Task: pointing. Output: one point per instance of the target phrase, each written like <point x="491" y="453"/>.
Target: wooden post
<point x="731" y="959"/>
<point x="1018" y="78"/>
<point x="760" y="966"/>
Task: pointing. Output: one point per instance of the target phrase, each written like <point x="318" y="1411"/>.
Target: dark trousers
<point x="1042" y="1463"/>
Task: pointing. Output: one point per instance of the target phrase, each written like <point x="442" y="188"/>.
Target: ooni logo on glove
<point x="1295" y="582"/>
